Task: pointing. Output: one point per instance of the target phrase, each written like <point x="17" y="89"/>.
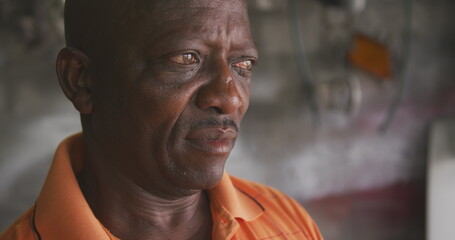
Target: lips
<point x="212" y="140"/>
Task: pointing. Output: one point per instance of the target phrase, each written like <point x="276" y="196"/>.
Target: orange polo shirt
<point x="240" y="209"/>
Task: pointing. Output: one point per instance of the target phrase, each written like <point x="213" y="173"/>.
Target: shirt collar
<point x="237" y="202"/>
<point x="63" y="213"/>
<point x="61" y="209"/>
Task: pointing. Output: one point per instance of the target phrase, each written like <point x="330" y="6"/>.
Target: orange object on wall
<point x="371" y="56"/>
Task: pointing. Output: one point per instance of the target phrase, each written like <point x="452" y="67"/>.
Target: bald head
<point x="90" y="25"/>
<point x="155" y="81"/>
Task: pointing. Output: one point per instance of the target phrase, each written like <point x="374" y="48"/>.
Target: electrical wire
<point x="301" y="59"/>
<point x="403" y="73"/>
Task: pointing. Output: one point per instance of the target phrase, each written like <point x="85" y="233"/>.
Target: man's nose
<point x="221" y="92"/>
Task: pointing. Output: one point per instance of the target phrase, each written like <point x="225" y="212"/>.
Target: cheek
<point x="244" y="91"/>
<point x="158" y="108"/>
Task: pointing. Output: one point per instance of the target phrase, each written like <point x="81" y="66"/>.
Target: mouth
<point x="213" y="140"/>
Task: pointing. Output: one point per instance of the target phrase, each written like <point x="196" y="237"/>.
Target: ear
<point x="75" y="79"/>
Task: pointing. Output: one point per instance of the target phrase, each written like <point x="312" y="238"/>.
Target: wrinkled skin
<point x="162" y="89"/>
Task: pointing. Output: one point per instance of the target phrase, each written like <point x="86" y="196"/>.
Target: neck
<point x="130" y="212"/>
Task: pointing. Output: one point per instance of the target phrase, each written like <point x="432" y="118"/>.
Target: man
<point x="161" y="87"/>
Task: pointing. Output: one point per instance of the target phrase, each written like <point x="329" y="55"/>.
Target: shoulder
<point x="278" y="207"/>
<point x="21" y="229"/>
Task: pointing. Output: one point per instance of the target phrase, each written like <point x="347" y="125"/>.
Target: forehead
<point x="161" y="11"/>
<point x="183" y="7"/>
<point x="178" y="12"/>
<point x="163" y="22"/>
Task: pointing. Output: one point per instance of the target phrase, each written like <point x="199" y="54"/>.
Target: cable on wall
<point x="403" y="72"/>
<point x="301" y="60"/>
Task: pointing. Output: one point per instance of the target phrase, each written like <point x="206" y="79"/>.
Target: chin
<point x="197" y="179"/>
<point x="210" y="180"/>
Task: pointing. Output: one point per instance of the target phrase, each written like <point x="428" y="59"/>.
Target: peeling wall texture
<point x="312" y="132"/>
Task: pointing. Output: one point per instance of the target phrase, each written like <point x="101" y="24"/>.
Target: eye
<point x="185" y="58"/>
<point x="244" y="65"/>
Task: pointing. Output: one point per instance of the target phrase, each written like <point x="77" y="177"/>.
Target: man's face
<point x="171" y="90"/>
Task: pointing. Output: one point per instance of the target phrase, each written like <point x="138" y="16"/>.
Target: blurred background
<point x="352" y="111"/>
